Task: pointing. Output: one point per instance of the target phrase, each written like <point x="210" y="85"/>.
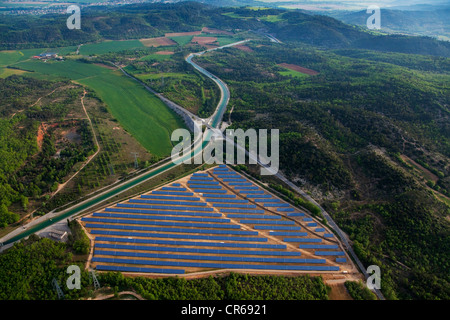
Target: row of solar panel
<point x="294" y="234"/>
<point x="205" y="183"/>
<point x="173" y="189"/>
<point x="193" y="243"/>
<point x="197" y="178"/>
<point x="149" y="211"/>
<point x="255" y="221"/>
<point x="311" y="224"/>
<point x="285" y="209"/>
<point x="173" y="203"/>
<point x="150" y="196"/>
<point x="244" y="211"/>
<point x="171" y="207"/>
<point x="251" y="216"/>
<point x="329" y="253"/>
<point x="209" y="191"/>
<point x="197" y="174"/>
<point x="204" y="258"/>
<point x="155" y="217"/>
<point x="342" y="260"/>
<point x="197" y="250"/>
<point x="170" y="193"/>
<point x="275" y="205"/>
<point x="203" y="186"/>
<point x="319" y="230"/>
<point x="258" y="196"/>
<point x="246" y="188"/>
<point x="267" y="200"/>
<point x="251" y="191"/>
<point x="301" y="240"/>
<point x="233" y="180"/>
<point x="165" y="223"/>
<point x="277" y="228"/>
<point x="226" y="200"/>
<point x="240" y="184"/>
<point x="318" y="246"/>
<point x="224" y="196"/>
<point x="215" y="265"/>
<point x="176" y="184"/>
<point x="234" y="205"/>
<point x="176" y="236"/>
<point x="228" y="176"/>
<point x="178" y="230"/>
<point x="140" y="270"/>
<point x="295" y="214"/>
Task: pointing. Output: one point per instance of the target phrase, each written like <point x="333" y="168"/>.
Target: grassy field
<point x="5" y="72"/>
<point x="293" y="73"/>
<point x="139" y="112"/>
<point x="156" y="57"/>
<point x="109" y="46"/>
<point x="182" y="40"/>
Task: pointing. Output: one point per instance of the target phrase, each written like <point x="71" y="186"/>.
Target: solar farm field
<point x="214" y="220"/>
<point x="141" y="113"/>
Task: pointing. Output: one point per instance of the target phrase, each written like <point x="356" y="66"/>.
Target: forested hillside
<point x="355" y="135"/>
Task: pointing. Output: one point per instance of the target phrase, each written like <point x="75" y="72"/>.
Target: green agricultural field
<point x="182" y="40"/>
<point x="293" y="73"/>
<point x="156" y="57"/>
<point x="109" y="46"/>
<point x="140" y="113"/>
<point x="12" y="56"/>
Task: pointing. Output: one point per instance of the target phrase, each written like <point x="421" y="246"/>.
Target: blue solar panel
<point x="242" y="211"/>
<point x="200" y="175"/>
<point x="243" y="216"/>
<point x="252" y="221"/>
<point x="295" y="214"/>
<point x="294" y="234"/>
<point x="252" y="191"/>
<point x="203" y="186"/>
<point x="209" y="191"/>
<point x="165" y="223"/>
<point x="141" y="270"/>
<point x="155" y="217"/>
<point x="148" y="209"/>
<point x="202" y="178"/>
<point x="277" y="228"/>
<point x="173" y="203"/>
<point x="172" y="207"/>
<point x="275" y="205"/>
<point x="203" y="258"/>
<point x="176" y="236"/>
<point x="301" y="240"/>
<point x="206" y="195"/>
<point x="202" y="182"/>
<point x="312" y="224"/>
<point x="170" y="198"/>
<point x="267" y="200"/>
<point x="224" y="200"/>
<point x="215" y="265"/>
<point x="320" y="229"/>
<point x="329" y="253"/>
<point x="228" y="176"/>
<point x="234" y="180"/>
<point x="173" y="189"/>
<point x="176" y="184"/>
<point x="307" y="219"/>
<point x="172" y="193"/>
<point x="246" y="188"/>
<point x="328" y="235"/>
<point x="285" y="209"/>
<point x="318" y="246"/>
<point x="222" y="165"/>
<point x="240" y="184"/>
<point x="193" y="243"/>
<point x="258" y="196"/>
<point x="342" y="260"/>
<point x="163" y="229"/>
<point x="196" y="250"/>
<point x="233" y="205"/>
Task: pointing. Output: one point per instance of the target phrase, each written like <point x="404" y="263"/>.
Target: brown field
<point x="298" y="69"/>
<point x="204" y="40"/>
<point x="157" y="42"/>
<point x="180" y="34"/>
<point x="216" y="31"/>
<point x="244" y="48"/>
<point x="165" y="52"/>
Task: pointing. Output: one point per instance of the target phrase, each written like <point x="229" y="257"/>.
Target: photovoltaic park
<point x="211" y="220"/>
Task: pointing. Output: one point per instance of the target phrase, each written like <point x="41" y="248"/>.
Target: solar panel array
<point x="200" y="217"/>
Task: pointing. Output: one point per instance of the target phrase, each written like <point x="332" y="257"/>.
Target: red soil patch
<point x="165" y="52"/>
<point x="204" y="40"/>
<point x="244" y="48"/>
<point x="157" y="42"/>
<point x="40" y="135"/>
<point x="298" y="69"/>
<point x="216" y="31"/>
<point x="180" y="34"/>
